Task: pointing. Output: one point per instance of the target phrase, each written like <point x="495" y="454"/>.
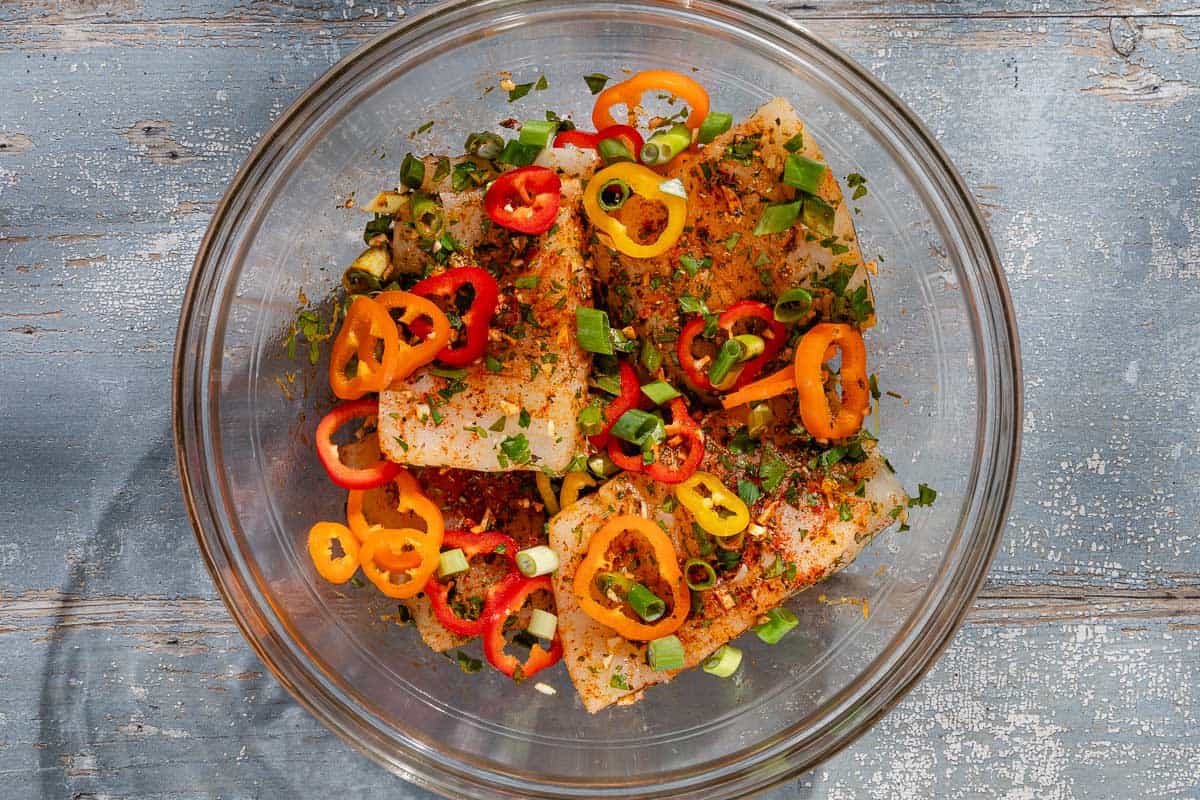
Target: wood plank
<point x="92" y="276"/>
<point x="154" y="697"/>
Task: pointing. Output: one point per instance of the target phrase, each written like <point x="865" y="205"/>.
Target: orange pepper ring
<point x="629" y="93"/>
<point x="320" y="539"/>
<point x="366" y="323"/>
<point x="815" y="413"/>
<point x="415" y="307"/>
<point x="362" y="530"/>
<point x="394" y="540"/>
<point x="597" y="560"/>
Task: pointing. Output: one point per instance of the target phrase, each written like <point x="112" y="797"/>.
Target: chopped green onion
<point x="710" y="575"/>
<point x="591" y="329"/>
<point x="778" y="217"/>
<point x="428" y="218"/>
<point x="518" y="154"/>
<point x="660" y="392"/>
<point x="817" y="216"/>
<point x="716" y="123"/>
<point x="795" y="143"/>
<point x="542" y="624"/>
<point x="651" y="356"/>
<point x="804" y="173"/>
<point x="731" y="353"/>
<point x="412" y="171"/>
<point x="614" y="150"/>
<point x="595" y="82"/>
<point x="666" y="654"/>
<point x="537" y="132"/>
<point x="724" y="662"/>
<point x="758" y="419"/>
<point x="673" y="187"/>
<point x="613" y="194"/>
<point x="646" y="603"/>
<point x="452" y="562"/>
<point x="602" y="466"/>
<point x="793" y="305"/>
<point x="665" y="145"/>
<point x="484" y="144"/>
<point x="779" y="621"/>
<point x="591" y="419"/>
<point x="754" y="345"/>
<point x="539" y="560"/>
<point x="638" y="427"/>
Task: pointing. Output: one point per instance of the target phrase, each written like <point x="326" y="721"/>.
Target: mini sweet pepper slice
<point x="510" y="595"/>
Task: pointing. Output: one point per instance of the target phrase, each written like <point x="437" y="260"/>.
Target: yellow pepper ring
<point x="714" y="508"/>
<point x="644" y="182"/>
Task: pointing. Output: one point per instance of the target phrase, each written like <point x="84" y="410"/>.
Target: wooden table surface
<point x="1075" y="123"/>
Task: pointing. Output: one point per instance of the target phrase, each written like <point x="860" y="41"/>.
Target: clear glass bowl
<point x="945" y="342"/>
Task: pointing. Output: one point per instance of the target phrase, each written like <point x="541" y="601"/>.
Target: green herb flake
<point x="772" y="470"/>
<point x="693" y="265"/>
<point x="519" y="91"/>
<point x="732" y="241"/>
<point x="795" y="143"/>
<point x="493" y="364"/>
<point x="468" y="664"/>
<point x="748" y="491"/>
<point x="403" y="445"/>
<point x="844" y="512"/>
<point x="595" y="82"/>
<point x="516" y="449"/>
<point x="498" y="425"/>
<point x="925" y="496"/>
<point x="424" y="127"/>
<point x="617" y="681"/>
<point x="526" y="282"/>
<point x="524" y="419"/>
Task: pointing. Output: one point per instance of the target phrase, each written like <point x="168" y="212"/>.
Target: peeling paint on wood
<point x="1074" y="123"/>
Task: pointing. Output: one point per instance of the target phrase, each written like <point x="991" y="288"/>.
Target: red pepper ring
<point x="581" y="139"/>
<point x="476" y="319"/>
<point x="510" y="596"/>
<point x="591" y="141"/>
<point x="627" y="400"/>
<point x="368" y="477"/>
<point x="681" y="425"/>
<point x="774" y="337"/>
<point x="472" y="544"/>
<point x="525" y="200"/>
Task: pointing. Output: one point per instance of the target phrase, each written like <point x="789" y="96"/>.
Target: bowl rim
<point x="997" y="316"/>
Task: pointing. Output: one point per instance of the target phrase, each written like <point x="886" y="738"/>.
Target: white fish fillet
<point x="817" y="542"/>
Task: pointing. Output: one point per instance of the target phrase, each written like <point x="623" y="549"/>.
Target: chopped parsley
<point x="425" y="127"/>
<point x="748" y="491"/>
<point x="859" y="183"/>
<point x="468" y="664"/>
<point x="925" y="496"/>
<point x="742" y="150"/>
<point x="795" y="143"/>
<point x="493" y="364"/>
<point x="514" y="449"/>
<point x="524" y="419"/>
<point x="693" y="265"/>
<point x="772" y="470"/>
<point x="595" y="82"/>
<point x="519" y="91"/>
<point x="403" y="445"/>
<point x="617" y="681"/>
<point x="844" y="512"/>
<point x="732" y="241"/>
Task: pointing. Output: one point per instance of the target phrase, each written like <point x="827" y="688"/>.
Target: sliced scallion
<point x="778" y="217"/>
<point x="665" y="145"/>
<point x="537" y="132"/>
<point x="660" y="392"/>
<point x="412" y="171"/>
<point x="590" y="419"/>
<point x="724" y="662"/>
<point x="539" y="560"/>
<point x="716" y="123"/>
<point x="428" y="218"/>
<point x="602" y="466"/>
<point x="452" y="562"/>
<point x="613" y="151"/>
<point x="592" y="330"/>
<point x="666" y="654"/>
<point x="804" y="173"/>
<point x="793" y="305"/>
<point x="753" y="345"/>
<point x="638" y="427"/>
<point x="645" y="603"/>
<point x="614" y="193"/>
<point x="651" y="356"/>
<point x="817" y="216"/>
<point x="731" y="352"/>
<point x="542" y="624"/>
<point x="779" y="622"/>
<point x="709" y="579"/>
<point x="518" y="154"/>
<point x="758" y="419"/>
<point x="484" y="144"/>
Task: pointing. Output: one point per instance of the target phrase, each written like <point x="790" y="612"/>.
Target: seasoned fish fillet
<point x="728" y="184"/>
<point x="535" y="365"/>
<point x="810" y="541"/>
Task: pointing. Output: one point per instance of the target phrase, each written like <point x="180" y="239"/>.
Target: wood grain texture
<point x="121" y="121"/>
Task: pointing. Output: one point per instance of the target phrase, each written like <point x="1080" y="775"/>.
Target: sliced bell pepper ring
<point x="598" y="560"/>
<point x="774" y="337"/>
<point x="335" y="569"/>
<point x="629" y="93"/>
<point x="476" y="319"/>
<point x="591" y="141"/>
<point x="510" y="595"/>
<point x="525" y="200"/>
<point x="776" y="383"/>
<point x="367" y="325"/>
<point x="811" y="352"/>
<point x="368" y="477"/>
<point x="682" y="428"/>
<point x="435" y="333"/>
<point x="625" y="401"/>
<point x="712" y="505"/>
<point x="645" y="183"/>
<point x="387" y="546"/>
<point x="472" y="544"/>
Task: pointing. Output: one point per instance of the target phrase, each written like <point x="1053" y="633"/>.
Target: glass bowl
<point x="244" y="411"/>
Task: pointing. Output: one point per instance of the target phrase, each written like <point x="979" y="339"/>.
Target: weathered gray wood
<point x="1074" y="123"/>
